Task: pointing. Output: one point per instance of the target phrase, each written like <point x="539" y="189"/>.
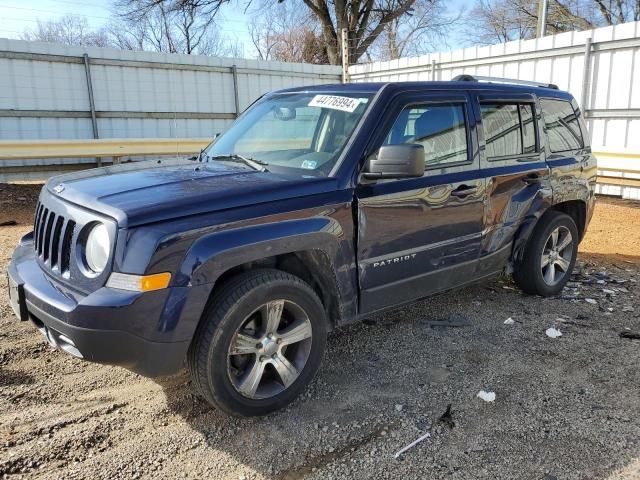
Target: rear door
<point x="513" y="163"/>
<point x="422" y="235"/>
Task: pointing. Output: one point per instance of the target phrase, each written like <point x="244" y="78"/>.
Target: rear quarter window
<point x="509" y="129"/>
<point x="561" y="125"/>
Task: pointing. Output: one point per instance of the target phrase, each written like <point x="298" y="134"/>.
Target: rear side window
<point x="509" y="129"/>
<point x="561" y="123"/>
<point x="440" y="129"/>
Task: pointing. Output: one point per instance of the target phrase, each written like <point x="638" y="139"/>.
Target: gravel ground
<point x="565" y="408"/>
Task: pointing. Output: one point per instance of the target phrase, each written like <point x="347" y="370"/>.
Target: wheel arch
<point x="313" y="249"/>
<point x="576" y="209"/>
<point x="313" y="266"/>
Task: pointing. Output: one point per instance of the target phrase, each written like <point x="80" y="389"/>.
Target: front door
<point x="423" y="235"/>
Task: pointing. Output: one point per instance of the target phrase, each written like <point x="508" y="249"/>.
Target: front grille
<point x="53" y="234"/>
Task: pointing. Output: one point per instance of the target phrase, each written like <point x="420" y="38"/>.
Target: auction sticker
<point x="335" y="102"/>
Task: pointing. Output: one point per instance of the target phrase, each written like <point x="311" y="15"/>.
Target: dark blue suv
<point x="319" y="206"/>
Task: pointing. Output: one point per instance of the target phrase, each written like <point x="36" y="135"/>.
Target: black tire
<point x="528" y="274"/>
<point x="209" y="355"/>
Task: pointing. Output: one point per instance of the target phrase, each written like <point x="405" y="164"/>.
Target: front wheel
<point x="260" y="343"/>
<point x="549" y="256"/>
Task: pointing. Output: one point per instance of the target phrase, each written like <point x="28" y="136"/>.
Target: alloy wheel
<point x="269" y="350"/>
<point x="556" y="256"/>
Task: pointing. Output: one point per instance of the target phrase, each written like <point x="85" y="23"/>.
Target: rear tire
<point x="259" y="344"/>
<point x="549" y="256"/>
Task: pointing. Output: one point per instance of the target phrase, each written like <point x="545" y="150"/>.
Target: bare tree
<point x="68" y="30"/>
<point x="423" y="29"/>
<point x="494" y="21"/>
<point x="279" y="31"/>
<point x="364" y="20"/>
<point x="173" y="26"/>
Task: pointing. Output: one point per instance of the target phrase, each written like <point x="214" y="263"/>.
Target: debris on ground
<point x="592" y="301"/>
<point x="486" y="396"/>
<point x="412" y="444"/>
<point x="447" y="417"/>
<point x="630" y="335"/>
<point x="454" y="320"/>
<point x="509" y="321"/>
<point x="8" y="223"/>
<point x="553" y="332"/>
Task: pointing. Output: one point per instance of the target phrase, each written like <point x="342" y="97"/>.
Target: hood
<point x="158" y="190"/>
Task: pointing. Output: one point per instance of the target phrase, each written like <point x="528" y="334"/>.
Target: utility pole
<point x="344" y="41"/>
<point x="543" y="10"/>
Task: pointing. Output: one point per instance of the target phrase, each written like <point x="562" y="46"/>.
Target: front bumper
<point x="148" y="333"/>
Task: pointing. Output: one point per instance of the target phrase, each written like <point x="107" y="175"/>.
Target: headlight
<point x="97" y="248"/>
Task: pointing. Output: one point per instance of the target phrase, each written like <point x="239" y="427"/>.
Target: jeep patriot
<point x="318" y="207"/>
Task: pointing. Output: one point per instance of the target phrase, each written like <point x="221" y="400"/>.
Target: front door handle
<point x="464" y="191"/>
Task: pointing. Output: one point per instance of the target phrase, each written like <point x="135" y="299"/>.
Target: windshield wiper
<point x="252" y="162"/>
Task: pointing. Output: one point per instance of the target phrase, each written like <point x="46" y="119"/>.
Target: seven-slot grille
<point x="52" y="238"/>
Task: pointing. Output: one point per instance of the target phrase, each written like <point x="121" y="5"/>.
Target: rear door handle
<point x="464" y="191"/>
<point x="532" y="179"/>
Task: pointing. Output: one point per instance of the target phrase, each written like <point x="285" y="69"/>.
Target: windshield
<point x="293" y="132"/>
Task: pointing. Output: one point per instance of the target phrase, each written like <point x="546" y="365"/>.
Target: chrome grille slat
<point x="43" y="221"/>
<point x="65" y="246"/>
<point x="36" y="223"/>
<point x="46" y="251"/>
<point x="55" y="241"/>
<point x="52" y="238"/>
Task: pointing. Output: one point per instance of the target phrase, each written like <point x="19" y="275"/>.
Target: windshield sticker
<point x="309" y="164"/>
<point x="334" y="102"/>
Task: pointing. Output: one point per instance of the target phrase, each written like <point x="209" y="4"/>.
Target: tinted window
<point x="561" y="125"/>
<point x="502" y="133"/>
<point x="441" y="129"/>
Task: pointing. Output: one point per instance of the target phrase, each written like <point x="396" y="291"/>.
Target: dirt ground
<point x="565" y="408"/>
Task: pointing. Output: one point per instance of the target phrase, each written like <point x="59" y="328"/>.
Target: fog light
<point x="139" y="283"/>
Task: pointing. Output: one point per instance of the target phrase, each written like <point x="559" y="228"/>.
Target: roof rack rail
<point x="474" y="78"/>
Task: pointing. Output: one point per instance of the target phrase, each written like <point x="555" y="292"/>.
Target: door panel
<point x="518" y="184"/>
<point x="420" y="236"/>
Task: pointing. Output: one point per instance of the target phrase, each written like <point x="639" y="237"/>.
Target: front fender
<point x="211" y="255"/>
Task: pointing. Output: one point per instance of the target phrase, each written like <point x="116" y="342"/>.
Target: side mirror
<point x="395" y="161"/>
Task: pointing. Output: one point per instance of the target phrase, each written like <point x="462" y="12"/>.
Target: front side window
<point x="294" y="132"/>
<point x="440" y="129"/>
<point x="561" y="124"/>
<point x="509" y="129"/>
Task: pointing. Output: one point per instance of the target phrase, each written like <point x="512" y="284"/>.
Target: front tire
<point x="549" y="256"/>
<point x="259" y="344"/>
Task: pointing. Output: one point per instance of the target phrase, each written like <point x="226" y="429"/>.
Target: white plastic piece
<point x="592" y="301"/>
<point x="412" y="444"/>
<point x="509" y="321"/>
<point x="486" y="396"/>
<point x="553" y="332"/>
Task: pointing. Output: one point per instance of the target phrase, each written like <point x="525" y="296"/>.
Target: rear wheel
<point x="549" y="256"/>
<point x="260" y="343"/>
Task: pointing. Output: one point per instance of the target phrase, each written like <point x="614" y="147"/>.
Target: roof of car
<point x="373" y="87"/>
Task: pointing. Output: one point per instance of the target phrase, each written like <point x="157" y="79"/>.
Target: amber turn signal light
<point x="139" y="283"/>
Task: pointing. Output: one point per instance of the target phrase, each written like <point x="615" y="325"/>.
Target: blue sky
<point x="18" y="15"/>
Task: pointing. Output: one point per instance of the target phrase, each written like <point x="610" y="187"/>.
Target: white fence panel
<point x="44" y="92"/>
<point x="610" y="91"/>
